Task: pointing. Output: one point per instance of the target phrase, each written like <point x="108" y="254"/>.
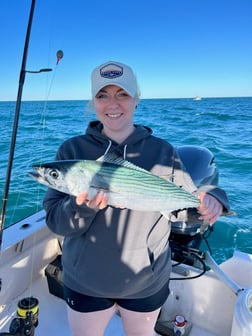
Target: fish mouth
<point x="38" y="177"/>
<point x="35" y="175"/>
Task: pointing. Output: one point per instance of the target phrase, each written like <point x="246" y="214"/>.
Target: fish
<point x="125" y="184"/>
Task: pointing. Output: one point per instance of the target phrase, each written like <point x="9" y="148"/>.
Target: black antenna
<point x="16" y="119"/>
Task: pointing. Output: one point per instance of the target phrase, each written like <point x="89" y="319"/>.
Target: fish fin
<point x="230" y="213"/>
<point x="101" y="159"/>
<point x="117" y="159"/>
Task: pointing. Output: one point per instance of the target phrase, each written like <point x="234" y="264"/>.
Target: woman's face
<point x="115" y="108"/>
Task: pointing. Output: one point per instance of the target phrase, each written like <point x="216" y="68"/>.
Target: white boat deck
<point x="206" y="302"/>
<point x="53" y="317"/>
<point x="52" y="313"/>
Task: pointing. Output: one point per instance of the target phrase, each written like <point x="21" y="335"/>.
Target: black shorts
<point x="85" y="304"/>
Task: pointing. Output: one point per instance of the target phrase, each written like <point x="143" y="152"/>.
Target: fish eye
<point x="54" y="174"/>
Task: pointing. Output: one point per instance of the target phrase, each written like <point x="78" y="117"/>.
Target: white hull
<point x="207" y="303"/>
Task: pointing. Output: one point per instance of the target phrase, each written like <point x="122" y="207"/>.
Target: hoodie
<point x="117" y="253"/>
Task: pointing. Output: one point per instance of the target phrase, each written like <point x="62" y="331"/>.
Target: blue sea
<point x="223" y="125"/>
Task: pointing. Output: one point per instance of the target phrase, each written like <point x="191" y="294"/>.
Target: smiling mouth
<point x="114" y="115"/>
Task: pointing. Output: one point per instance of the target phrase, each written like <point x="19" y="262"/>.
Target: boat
<point x="206" y="299"/>
<point x="213" y="304"/>
<point x="197" y="98"/>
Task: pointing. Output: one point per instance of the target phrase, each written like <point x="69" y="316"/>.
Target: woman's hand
<point x="99" y="201"/>
<point x="210" y="208"/>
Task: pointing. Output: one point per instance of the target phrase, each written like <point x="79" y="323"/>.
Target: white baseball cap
<point x="114" y="73"/>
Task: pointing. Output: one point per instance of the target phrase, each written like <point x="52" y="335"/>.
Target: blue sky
<point x="177" y="48"/>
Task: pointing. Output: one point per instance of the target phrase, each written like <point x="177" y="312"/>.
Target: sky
<point x="177" y="48"/>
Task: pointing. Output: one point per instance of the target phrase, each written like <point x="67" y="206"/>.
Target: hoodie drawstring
<point x="109" y="146"/>
<point x="124" y="152"/>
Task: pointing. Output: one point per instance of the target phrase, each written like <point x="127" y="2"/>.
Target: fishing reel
<point x="27" y="318"/>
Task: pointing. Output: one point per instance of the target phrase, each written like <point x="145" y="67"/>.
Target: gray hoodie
<point x="117" y="253"/>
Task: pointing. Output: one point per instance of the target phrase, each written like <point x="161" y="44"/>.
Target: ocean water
<point x="223" y="125"/>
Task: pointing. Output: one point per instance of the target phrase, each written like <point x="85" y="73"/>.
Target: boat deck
<point x="53" y="317"/>
<point x="206" y="302"/>
<point x="52" y="313"/>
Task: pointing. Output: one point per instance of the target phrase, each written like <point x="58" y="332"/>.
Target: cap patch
<point x="111" y="71"/>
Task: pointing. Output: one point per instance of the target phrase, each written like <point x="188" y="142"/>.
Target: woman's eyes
<point x="122" y="95"/>
<point x="118" y="96"/>
<point x="102" y="96"/>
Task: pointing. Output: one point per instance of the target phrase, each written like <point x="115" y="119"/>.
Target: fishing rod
<point x="23" y="72"/>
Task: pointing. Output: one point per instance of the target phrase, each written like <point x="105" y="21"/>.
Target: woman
<point x="116" y="258"/>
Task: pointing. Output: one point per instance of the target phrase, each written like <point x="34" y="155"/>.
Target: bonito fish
<point x="125" y="184"/>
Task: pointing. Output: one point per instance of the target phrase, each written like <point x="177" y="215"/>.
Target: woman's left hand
<point x="210" y="208"/>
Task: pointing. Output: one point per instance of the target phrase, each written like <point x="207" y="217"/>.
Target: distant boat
<point x="197" y="98"/>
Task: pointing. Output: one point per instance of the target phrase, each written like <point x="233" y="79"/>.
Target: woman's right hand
<point x="99" y="201"/>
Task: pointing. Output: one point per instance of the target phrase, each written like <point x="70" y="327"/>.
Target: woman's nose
<point x="113" y="100"/>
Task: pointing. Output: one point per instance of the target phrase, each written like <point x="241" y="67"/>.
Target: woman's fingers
<point x="210" y="208"/>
